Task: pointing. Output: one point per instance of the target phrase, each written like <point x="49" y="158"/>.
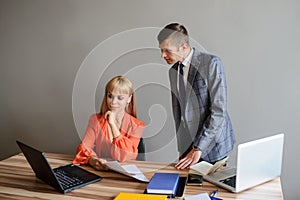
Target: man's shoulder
<point x="204" y="60"/>
<point x="204" y="56"/>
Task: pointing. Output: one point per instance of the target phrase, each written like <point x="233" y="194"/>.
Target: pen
<point x="214" y="193"/>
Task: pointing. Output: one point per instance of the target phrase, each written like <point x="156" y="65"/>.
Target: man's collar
<point x="188" y="59"/>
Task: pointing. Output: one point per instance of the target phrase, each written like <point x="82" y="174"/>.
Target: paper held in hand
<point x="205" y="168"/>
<point x="128" y="170"/>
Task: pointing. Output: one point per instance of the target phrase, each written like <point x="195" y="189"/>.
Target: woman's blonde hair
<point x="124" y="86"/>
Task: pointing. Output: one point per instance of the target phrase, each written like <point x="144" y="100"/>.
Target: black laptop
<point x="64" y="178"/>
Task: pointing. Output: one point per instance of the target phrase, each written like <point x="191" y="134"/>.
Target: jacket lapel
<point x="195" y="62"/>
<point x="174" y="77"/>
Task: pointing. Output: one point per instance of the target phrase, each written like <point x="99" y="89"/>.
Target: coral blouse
<point x="97" y="141"/>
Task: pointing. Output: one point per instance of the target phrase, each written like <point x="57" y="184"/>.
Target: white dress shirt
<point x="186" y="68"/>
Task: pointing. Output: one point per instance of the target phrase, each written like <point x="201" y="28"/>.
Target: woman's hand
<point x="110" y="117"/>
<point x="191" y="158"/>
<point x="98" y="163"/>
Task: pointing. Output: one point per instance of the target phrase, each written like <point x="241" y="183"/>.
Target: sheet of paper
<point x="115" y="166"/>
<point x="203" y="196"/>
<point x="128" y="170"/>
<point x="135" y="172"/>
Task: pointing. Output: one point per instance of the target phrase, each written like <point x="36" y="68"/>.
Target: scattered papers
<point x="205" y="168"/>
<point x="128" y="170"/>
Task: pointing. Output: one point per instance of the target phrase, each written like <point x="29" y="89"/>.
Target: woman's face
<point x="117" y="101"/>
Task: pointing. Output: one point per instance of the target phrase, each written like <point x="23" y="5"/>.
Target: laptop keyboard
<point x="229" y="181"/>
<point x="66" y="179"/>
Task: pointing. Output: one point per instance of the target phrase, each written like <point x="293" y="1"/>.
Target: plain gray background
<point x="45" y="43"/>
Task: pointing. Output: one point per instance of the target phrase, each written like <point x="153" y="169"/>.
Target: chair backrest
<point x="141" y="150"/>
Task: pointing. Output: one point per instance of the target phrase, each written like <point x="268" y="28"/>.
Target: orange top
<point x="97" y="142"/>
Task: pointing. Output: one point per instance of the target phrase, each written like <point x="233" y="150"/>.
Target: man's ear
<point x="185" y="46"/>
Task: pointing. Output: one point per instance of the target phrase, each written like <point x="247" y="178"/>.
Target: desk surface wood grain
<point x="17" y="181"/>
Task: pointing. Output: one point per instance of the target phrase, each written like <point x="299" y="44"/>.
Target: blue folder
<point x="163" y="183"/>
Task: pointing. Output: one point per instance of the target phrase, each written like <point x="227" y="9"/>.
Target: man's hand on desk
<point x="98" y="163"/>
<point x="191" y="158"/>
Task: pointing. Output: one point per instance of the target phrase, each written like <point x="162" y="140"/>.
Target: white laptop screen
<point x="259" y="161"/>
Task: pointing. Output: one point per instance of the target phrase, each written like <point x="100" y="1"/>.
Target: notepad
<point x="135" y="196"/>
<point x="163" y="183"/>
<point x="205" y="168"/>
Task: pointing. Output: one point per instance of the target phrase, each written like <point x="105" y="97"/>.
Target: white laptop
<point x="258" y="161"/>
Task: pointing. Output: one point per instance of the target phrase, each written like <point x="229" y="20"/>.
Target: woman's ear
<point x="129" y="99"/>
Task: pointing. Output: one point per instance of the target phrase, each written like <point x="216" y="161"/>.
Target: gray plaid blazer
<point x="203" y="120"/>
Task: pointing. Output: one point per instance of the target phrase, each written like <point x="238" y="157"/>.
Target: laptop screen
<point x="259" y="161"/>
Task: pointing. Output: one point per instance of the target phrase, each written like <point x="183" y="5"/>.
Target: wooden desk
<point x="17" y="181"/>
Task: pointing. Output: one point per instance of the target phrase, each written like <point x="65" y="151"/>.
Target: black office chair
<point x="141" y="150"/>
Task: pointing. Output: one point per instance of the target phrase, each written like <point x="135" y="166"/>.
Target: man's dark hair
<point x="176" y="32"/>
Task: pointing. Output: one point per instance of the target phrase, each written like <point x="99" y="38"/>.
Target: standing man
<point x="199" y="99"/>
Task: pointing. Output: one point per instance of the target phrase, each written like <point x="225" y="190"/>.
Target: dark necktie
<point x="181" y="84"/>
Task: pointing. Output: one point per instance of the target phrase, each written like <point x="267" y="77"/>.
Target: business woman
<point x="115" y="132"/>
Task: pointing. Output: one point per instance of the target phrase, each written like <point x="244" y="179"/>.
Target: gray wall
<point x="54" y="64"/>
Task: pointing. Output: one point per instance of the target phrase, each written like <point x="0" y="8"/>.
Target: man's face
<point x="170" y="52"/>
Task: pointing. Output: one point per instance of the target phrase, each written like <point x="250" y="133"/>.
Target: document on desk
<point x="203" y="196"/>
<point x="128" y="170"/>
<point x="205" y="168"/>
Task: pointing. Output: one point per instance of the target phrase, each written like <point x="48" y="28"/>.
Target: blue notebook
<point x="163" y="183"/>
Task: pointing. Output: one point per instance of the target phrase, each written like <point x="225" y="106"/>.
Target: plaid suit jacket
<point x="203" y="120"/>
